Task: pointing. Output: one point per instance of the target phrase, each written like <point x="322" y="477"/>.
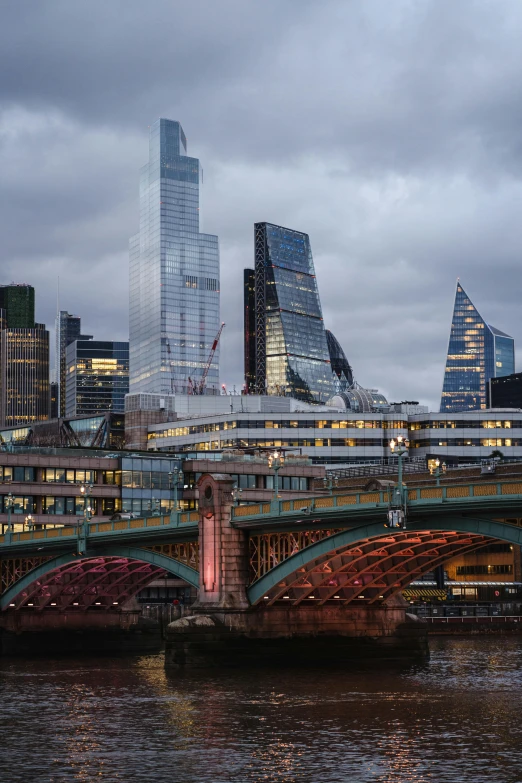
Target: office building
<point x="506" y="391"/>
<point x="477" y="352"/>
<point x="329" y="435"/>
<point x="97" y="377"/>
<point x="17" y="300"/>
<point x="24" y="359"/>
<point x="67" y="329"/>
<point x="174" y="273"/>
<point x="291" y="351"/>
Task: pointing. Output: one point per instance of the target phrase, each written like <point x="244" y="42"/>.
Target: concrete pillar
<point x="223" y="550"/>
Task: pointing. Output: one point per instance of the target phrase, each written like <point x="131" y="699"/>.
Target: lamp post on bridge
<point x="276" y="461"/>
<point x="236" y="494"/>
<point x="174" y="480"/>
<point x="397" y="509"/>
<point x="437" y="470"/>
<point x="83" y="526"/>
<point x="330" y="482"/>
<point x="9" y="503"/>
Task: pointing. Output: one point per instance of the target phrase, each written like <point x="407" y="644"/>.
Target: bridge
<point x="258" y="564"/>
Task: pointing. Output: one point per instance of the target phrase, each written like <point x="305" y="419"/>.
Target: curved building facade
<point x="342" y="372"/>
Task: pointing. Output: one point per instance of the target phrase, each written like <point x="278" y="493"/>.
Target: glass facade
<point x="97" y="377"/>
<point x="477" y="352"/>
<point x="24" y="375"/>
<point x="342" y="372"/>
<point x="292" y="356"/>
<point x="174" y="273"/>
<point x="146" y="484"/>
<point x="67" y="329"/>
<point x="17" y="300"/>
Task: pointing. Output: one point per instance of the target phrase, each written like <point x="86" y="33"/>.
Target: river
<point x="452" y="720"/>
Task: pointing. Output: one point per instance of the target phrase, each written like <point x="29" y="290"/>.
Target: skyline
<point x="409" y="181"/>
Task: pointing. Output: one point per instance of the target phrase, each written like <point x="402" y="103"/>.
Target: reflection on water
<point x="455" y="718"/>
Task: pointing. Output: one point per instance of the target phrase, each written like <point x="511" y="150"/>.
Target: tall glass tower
<point x="291" y="352"/>
<point x="174" y="273"/>
<point x="477" y="352"/>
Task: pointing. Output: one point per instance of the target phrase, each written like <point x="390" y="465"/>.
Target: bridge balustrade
<point x="419" y="495"/>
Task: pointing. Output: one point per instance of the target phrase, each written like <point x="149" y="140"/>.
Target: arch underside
<point x="103" y="581"/>
<point x="368" y="571"/>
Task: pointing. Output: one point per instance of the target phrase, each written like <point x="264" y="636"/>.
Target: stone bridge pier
<point x="225" y="630"/>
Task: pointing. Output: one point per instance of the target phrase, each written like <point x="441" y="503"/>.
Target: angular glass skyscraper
<point x="291" y="352"/>
<point x="477" y="352"/>
<point x="174" y="273"/>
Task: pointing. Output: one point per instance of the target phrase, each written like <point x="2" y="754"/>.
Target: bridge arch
<point x="107" y="577"/>
<point x="369" y="564"/>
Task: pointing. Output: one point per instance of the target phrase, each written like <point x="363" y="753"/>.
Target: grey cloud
<point x="388" y="131"/>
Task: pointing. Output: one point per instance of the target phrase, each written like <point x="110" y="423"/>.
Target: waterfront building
<point x="328" y="435"/>
<point x="291" y="351"/>
<point x="67" y="329"/>
<point x="46" y="484"/>
<point x="97" y="377"/>
<point x="477" y="352"/>
<point x="174" y="273"/>
<point x="24" y="359"/>
<point x="506" y="391"/>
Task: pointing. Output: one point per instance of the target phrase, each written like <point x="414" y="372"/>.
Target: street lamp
<point x="330" y="482"/>
<point x="155" y="507"/>
<point x="436" y="469"/>
<point x="29" y="520"/>
<point x="174" y="480"/>
<point x="397" y="510"/>
<point x="86" y="494"/>
<point x="83" y="526"/>
<point x="9" y="503"/>
<point x="276" y="461"/>
<point x="236" y="494"/>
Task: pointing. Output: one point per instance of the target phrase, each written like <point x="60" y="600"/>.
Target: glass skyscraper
<point x="174" y="273"/>
<point x="291" y="352"/>
<point x="97" y="377"/>
<point x="477" y="352"/>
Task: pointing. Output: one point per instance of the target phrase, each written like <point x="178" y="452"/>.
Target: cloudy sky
<point x="389" y="131"/>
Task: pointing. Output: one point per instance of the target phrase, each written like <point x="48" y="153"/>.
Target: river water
<point x="452" y="720"/>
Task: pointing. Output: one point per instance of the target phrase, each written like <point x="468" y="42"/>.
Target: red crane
<point x="199" y="386"/>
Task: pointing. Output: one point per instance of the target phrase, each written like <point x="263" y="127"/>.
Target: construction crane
<point x="198" y="387"/>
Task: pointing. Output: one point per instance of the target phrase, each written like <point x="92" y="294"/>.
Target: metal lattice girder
<point x="367" y="565"/>
<point x="12" y="569"/>
<point x="108" y="578"/>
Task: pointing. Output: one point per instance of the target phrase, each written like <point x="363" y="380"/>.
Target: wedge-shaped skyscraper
<point x="174" y="273"/>
<point x="476" y="352"/>
<point x="286" y="352"/>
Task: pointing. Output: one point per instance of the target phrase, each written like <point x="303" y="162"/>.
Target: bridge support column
<point x="223" y="550"/>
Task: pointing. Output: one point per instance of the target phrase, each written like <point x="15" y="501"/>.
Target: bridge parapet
<point x="120" y="527"/>
<point x="477" y="492"/>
